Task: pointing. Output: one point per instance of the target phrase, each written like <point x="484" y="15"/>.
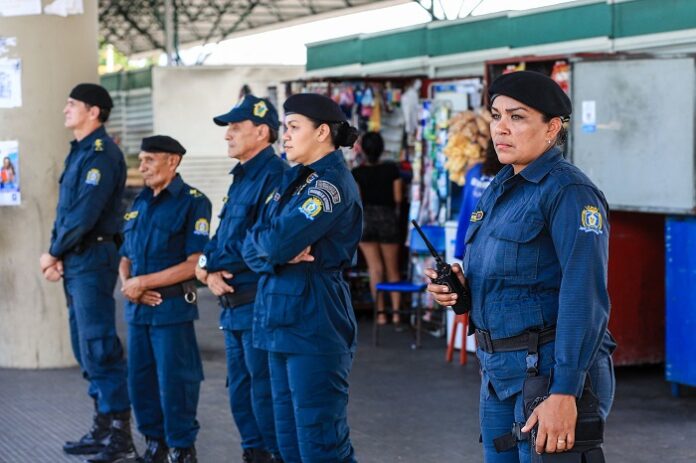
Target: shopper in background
<point x="477" y="180"/>
<point x="303" y="314"/>
<point x="536" y="266"/>
<point x="381" y="190"/>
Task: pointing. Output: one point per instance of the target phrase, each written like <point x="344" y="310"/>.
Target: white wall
<point x="185" y="100"/>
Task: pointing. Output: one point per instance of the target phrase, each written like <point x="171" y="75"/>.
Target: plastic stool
<point x="464" y="321"/>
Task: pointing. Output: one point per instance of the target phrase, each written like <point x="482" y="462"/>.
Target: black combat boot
<point x="187" y="455"/>
<point x="95" y="439"/>
<point x="120" y="448"/>
<point x="156" y="452"/>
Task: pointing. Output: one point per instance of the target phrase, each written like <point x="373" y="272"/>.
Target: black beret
<point x="534" y="89"/>
<point x="92" y="94"/>
<point x="315" y="106"/>
<point x="162" y="144"/>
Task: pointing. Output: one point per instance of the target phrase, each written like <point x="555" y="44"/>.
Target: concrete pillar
<point x="56" y="54"/>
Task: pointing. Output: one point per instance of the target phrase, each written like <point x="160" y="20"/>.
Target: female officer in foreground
<point x="303" y="315"/>
<point x="536" y="258"/>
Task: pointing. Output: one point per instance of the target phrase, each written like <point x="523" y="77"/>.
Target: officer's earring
<point x="548" y="142"/>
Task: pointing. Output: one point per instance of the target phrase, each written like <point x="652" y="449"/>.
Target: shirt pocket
<point x="515" y="253"/>
<point x="283" y="299"/>
<point x="468" y="238"/>
<point x="129" y="240"/>
<point x="167" y="236"/>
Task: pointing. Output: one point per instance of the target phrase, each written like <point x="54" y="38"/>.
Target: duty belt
<point x="513" y="343"/>
<point x="185" y="288"/>
<point x="238" y="298"/>
<point x="91" y="239"/>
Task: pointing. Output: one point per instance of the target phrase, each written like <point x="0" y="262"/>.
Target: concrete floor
<point x="406" y="406"/>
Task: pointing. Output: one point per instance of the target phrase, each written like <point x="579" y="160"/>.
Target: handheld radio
<point x="446" y="277"/>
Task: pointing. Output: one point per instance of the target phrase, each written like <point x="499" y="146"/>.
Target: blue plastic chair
<point x="417" y="247"/>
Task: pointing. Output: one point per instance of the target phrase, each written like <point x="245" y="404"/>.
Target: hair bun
<point x="347" y="135"/>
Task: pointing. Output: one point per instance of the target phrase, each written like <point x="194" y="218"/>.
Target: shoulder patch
<point x="98" y="145"/>
<point x="311" y="208"/>
<point x="131" y="215"/>
<point x="327" y="193"/>
<point x="202" y="227"/>
<point x="93" y="177"/>
<point x="591" y="220"/>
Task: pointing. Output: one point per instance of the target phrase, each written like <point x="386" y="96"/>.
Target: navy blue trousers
<point x="249" y="387"/>
<point x="310" y="398"/>
<point x="165" y="374"/>
<point x="97" y="349"/>
<point x="497" y="416"/>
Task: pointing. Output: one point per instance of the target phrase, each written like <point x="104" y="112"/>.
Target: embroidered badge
<point x="98" y="145"/>
<point x="591" y="220"/>
<point x="311" y="207"/>
<point x="202" y="227"/>
<point x="269" y="197"/>
<point x="260" y="109"/>
<point x="476" y="216"/>
<point x="224" y="200"/>
<point x="276" y="196"/>
<point x="195" y="193"/>
<point x="93" y="177"/>
<point x="312" y="177"/>
<point x="131" y="215"/>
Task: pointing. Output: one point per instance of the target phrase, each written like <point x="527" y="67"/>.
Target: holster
<point x="589" y="428"/>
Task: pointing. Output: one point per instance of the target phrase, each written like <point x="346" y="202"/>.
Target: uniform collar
<point x="88" y="141"/>
<point x="538" y="169"/>
<point x="330" y="160"/>
<point x="256" y="164"/>
<point x="174" y="188"/>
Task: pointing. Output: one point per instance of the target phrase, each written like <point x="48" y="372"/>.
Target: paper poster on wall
<point x="64" y="7"/>
<point x="19" y="7"/>
<point x="589" y="116"/>
<point x="6" y="43"/>
<point x="10" y="83"/>
<point x="9" y="173"/>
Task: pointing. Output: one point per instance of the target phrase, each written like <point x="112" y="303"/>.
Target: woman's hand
<point x="133" y="289"/>
<point x="556" y="416"/>
<point x="441" y="293"/>
<point x="304" y="256"/>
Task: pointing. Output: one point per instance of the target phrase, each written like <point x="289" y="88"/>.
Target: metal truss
<point x="135" y="26"/>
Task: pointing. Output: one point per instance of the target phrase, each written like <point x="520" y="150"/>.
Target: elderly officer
<point x="252" y="126"/>
<point x="84" y="253"/>
<point x="536" y="264"/>
<point x="303" y="312"/>
<point x="166" y="230"/>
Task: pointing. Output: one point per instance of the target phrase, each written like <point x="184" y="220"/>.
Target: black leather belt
<point x="237" y="298"/>
<point x="513" y="343"/>
<point x="185" y="288"/>
<point x="91" y="239"/>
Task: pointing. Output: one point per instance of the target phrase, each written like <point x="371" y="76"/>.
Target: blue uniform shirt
<point x="91" y="189"/>
<point x="253" y="184"/>
<point x="306" y="308"/>
<point x="476" y="184"/>
<point x="160" y="232"/>
<point x="537" y="249"/>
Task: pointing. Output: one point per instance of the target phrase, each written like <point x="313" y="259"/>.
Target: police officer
<point x="165" y="232"/>
<point x="84" y="253"/>
<point x="536" y="264"/>
<point x="303" y="314"/>
<point x="252" y="126"/>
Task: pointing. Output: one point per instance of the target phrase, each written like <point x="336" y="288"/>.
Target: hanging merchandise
<point x="469" y="135"/>
<point x="515" y="67"/>
<point x="374" y="124"/>
<point x="561" y="75"/>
